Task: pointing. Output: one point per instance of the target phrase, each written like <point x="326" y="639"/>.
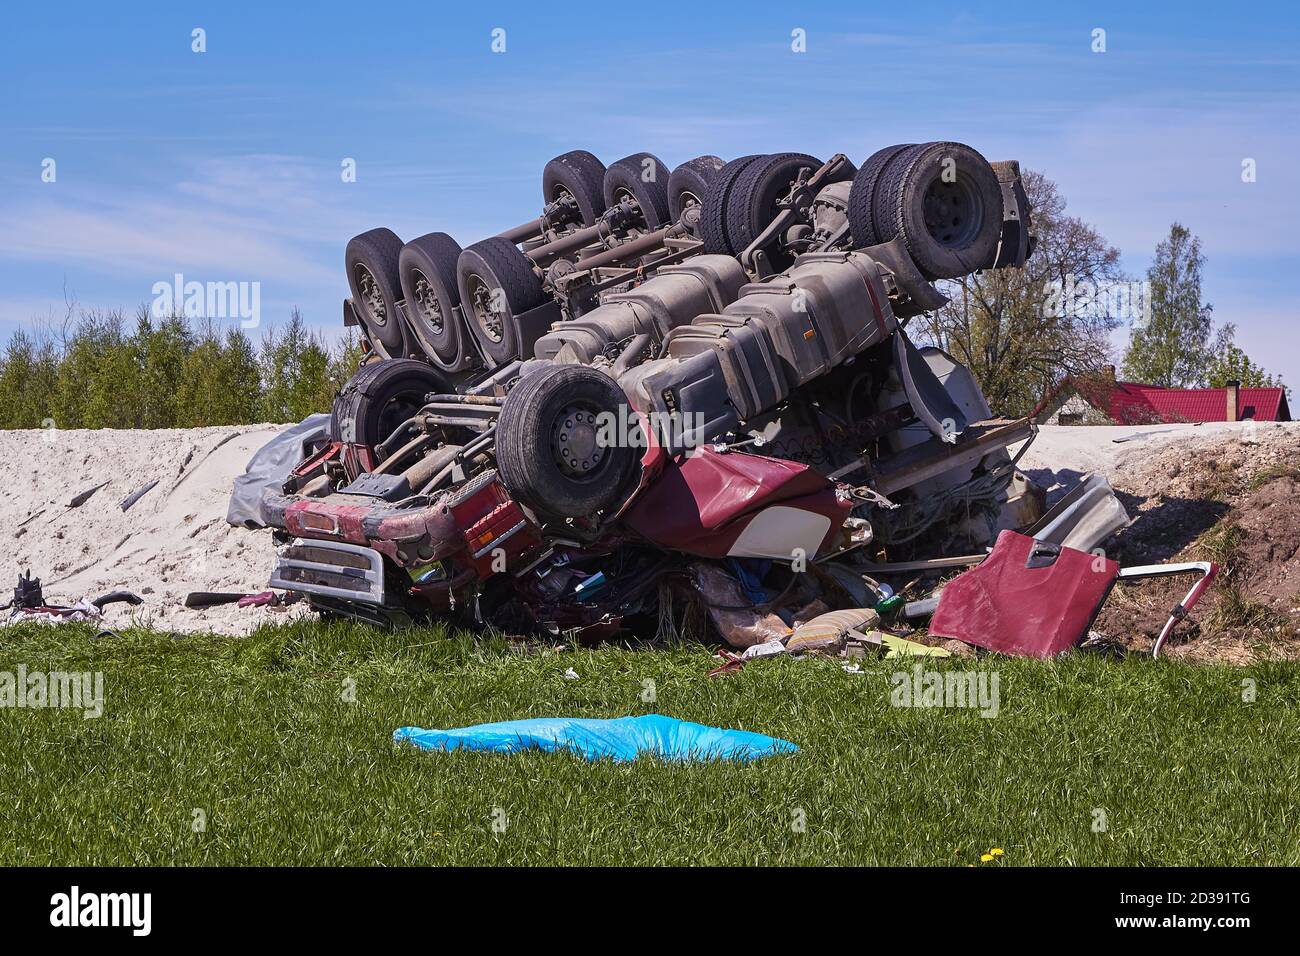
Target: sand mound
<point x="172" y="541"/>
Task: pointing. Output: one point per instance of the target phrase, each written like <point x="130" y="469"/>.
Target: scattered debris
<point x="28" y="604"/>
<point x="80" y="499"/>
<point x="1028" y="598"/>
<point x="126" y="503"/>
<point x="1038" y="599"/>
<point x="769" y="649"/>
<point x="198" y="600"/>
<point x="829" y="633"/>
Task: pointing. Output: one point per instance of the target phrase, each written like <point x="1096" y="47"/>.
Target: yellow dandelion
<point x="996" y="851"/>
<point x="985" y="857"/>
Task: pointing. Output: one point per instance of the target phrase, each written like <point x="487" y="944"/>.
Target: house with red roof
<point x="1098" y="399"/>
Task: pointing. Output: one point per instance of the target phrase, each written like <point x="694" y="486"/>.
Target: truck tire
<point x="644" y="178"/>
<point x="580" y="175"/>
<point x="380" y="397"/>
<point x="752" y="204"/>
<point x="371" y="264"/>
<point x="862" y="224"/>
<point x="427" y="267"/>
<point x="689" y="183"/>
<point x="713" y="217"/>
<point x="547" y="448"/>
<point x="950" y="226"/>
<point x="497" y="284"/>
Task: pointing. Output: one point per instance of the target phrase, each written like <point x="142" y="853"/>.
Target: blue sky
<point x="225" y="165"/>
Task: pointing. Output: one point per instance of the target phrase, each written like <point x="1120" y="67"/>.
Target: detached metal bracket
<point x="1208" y="571"/>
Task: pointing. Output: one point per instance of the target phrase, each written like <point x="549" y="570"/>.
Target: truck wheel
<point x="380" y="397"/>
<point x="371" y="264"/>
<point x="713" y="216"/>
<point x="644" y="178"/>
<point x="497" y="284"/>
<point x="862" y="224"/>
<point x="578" y="174"/>
<point x="689" y="183"/>
<point x="752" y="204"/>
<point x="427" y="267"/>
<point x="549" y="448"/>
<point x="944" y="200"/>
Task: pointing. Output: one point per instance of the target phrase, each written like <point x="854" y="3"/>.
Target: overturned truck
<point x="693" y="384"/>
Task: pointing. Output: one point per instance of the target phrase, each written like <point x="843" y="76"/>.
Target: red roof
<point x="1131" y="403"/>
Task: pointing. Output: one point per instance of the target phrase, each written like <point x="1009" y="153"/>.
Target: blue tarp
<point x="624" y="738"/>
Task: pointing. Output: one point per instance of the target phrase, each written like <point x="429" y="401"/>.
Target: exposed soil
<point x="1231" y="496"/>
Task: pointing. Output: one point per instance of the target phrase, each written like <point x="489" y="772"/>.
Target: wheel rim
<point x="621" y="194"/>
<point x="400" y="409"/>
<point x="574" y="447"/>
<point x="952" y="213"/>
<point x="489" y="321"/>
<point x="563" y="193"/>
<point x="426" y="304"/>
<point x="372" y="299"/>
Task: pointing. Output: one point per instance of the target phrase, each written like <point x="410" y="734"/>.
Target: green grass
<point x="1281" y="469"/>
<point x="255" y="733"/>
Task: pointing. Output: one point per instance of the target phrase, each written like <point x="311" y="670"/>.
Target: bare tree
<point x="1021" y="330"/>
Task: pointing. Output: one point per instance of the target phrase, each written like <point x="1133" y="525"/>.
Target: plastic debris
<point x="622" y="739"/>
<point x="126" y="503"/>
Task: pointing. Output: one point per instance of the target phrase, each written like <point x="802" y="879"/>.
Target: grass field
<point x="257" y="735"/>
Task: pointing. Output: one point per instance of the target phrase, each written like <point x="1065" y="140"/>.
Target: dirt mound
<point x="1232" y="497"/>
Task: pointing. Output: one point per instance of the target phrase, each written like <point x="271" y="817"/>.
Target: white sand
<point x="1062" y="454"/>
<point x="172" y="541"/>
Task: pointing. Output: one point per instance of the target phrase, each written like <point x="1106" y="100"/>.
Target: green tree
<point x="1231" y="364"/>
<point x="241" y="378"/>
<point x="1173" y="347"/>
<point x="201" y="395"/>
<point x="345" y="359"/>
<point x="295" y="372"/>
<point x="1014" y="328"/>
<point x="163" y="348"/>
<point x="94" y="384"/>
<point x="24" y="386"/>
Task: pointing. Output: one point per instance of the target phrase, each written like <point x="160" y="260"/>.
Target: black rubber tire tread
<point x="900" y="205"/>
<point x="499" y="261"/>
<point x="694" y="177"/>
<point x="757" y="188"/>
<point x="862" y="223"/>
<point x="582" y="175"/>
<point x="524" y="459"/>
<point x="378" y="250"/>
<point x="365" y="399"/>
<point x="434" y="256"/>
<point x="713" y="216"/>
<point x="652" y="196"/>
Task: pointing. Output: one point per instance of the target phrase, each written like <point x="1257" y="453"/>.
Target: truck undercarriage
<point x="663" y="378"/>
